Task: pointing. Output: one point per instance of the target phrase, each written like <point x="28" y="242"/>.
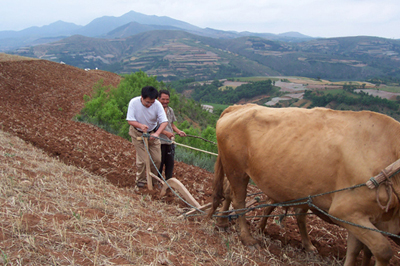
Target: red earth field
<point x="38" y="101"/>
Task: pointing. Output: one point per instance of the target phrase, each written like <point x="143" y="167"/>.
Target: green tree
<point x="107" y="108"/>
<point x="108" y="105"/>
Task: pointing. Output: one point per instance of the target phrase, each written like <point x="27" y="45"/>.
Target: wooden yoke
<point x="385" y="174"/>
<point x="148" y="176"/>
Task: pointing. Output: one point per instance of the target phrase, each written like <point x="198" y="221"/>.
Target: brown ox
<point x="291" y="153"/>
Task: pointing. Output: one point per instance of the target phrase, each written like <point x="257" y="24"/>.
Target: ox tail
<point x="218" y="187"/>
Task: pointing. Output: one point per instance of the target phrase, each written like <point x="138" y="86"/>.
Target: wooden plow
<point x="174" y="183"/>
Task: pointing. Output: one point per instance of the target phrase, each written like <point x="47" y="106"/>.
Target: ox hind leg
<point x="301" y="219"/>
<point x="239" y="191"/>
<point x="267" y="211"/>
<point x="223" y="221"/>
<point x="301" y="216"/>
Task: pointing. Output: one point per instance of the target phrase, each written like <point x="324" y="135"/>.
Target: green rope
<point x="350" y="223"/>
<point x="192" y="136"/>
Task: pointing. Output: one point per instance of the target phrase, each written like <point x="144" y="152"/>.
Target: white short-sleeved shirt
<point x="148" y="116"/>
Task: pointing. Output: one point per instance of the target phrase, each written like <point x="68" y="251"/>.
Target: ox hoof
<point x="250" y="241"/>
<point x="311" y="249"/>
<point x="222" y="225"/>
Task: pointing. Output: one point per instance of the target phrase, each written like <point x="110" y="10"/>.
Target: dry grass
<point x="12" y="58"/>
<point x="55" y="214"/>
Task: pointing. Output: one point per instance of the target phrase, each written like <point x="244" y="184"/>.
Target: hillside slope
<point x="171" y="55"/>
<point x="37" y="101"/>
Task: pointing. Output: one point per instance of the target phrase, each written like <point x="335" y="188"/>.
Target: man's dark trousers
<point x="167" y="159"/>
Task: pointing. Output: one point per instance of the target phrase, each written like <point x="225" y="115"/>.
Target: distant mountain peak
<point x="115" y="27"/>
<point x="293" y="34"/>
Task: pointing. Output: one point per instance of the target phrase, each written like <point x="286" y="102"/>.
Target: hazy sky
<point x="316" y="18"/>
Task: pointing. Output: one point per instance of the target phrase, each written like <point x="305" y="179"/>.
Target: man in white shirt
<point x="143" y="116"/>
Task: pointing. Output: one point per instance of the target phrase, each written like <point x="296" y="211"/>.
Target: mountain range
<point x="173" y="49"/>
<point x="112" y="27"/>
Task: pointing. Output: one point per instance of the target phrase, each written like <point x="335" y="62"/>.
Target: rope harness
<point x="383" y="178"/>
<point x="183" y="145"/>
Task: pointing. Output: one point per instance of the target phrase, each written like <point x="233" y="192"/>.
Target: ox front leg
<point x="375" y="242"/>
<point x="366" y="261"/>
<point x="378" y="244"/>
<point x="239" y="188"/>
<point x="354" y="246"/>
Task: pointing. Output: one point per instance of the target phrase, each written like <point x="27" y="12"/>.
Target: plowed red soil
<point x="38" y="100"/>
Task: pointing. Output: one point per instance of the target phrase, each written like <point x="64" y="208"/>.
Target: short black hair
<point x="149" y="92"/>
<point x="163" y="91"/>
